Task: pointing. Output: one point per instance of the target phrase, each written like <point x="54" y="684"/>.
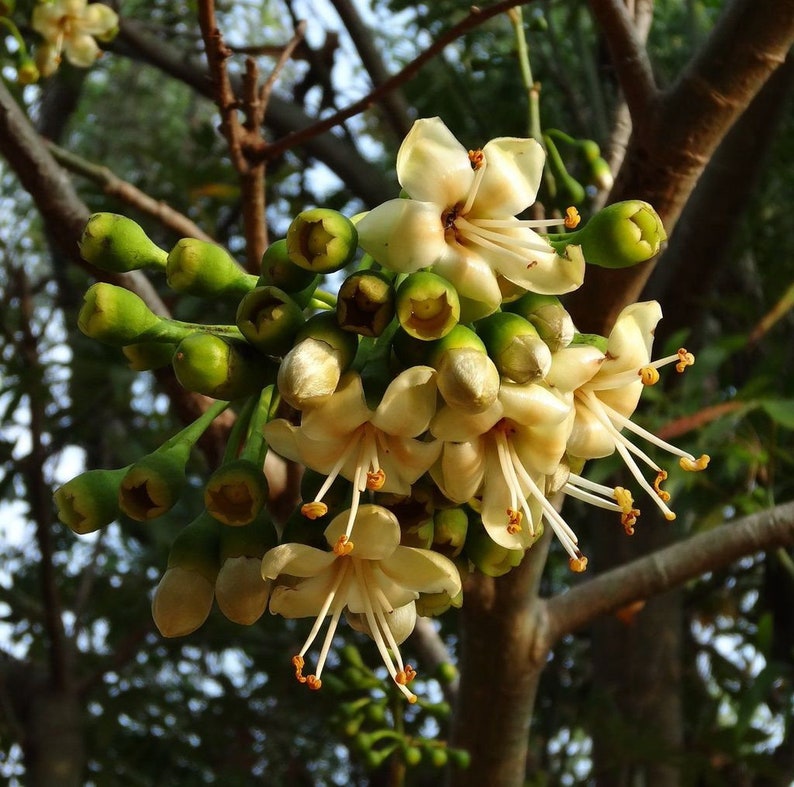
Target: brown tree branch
<point x="680" y="131"/>
<point x="669" y="568"/>
<point x="629" y="55"/>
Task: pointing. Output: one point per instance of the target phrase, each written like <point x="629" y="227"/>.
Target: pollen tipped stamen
<point x="343" y="546"/>
<point x="617" y="499"/>
<point x="332" y="476"/>
<point x="661" y="477"/>
<point x="578" y="564"/>
<point x="509" y="472"/>
<point x="621" y="379"/>
<point x="499" y="241"/>
<point x="684" y="359"/>
<point x="514" y="521"/>
<point x="298" y="663"/>
<point x="314" y="510"/>
<point x="376" y="480"/>
<point x="572" y="218"/>
<point x="479" y="166"/>
<point x="648" y="375"/>
<point x="694" y="465"/>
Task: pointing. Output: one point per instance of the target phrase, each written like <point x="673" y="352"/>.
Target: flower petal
<point x="403" y="235"/>
<point x="340" y="414"/>
<point x="296" y="560"/>
<point x="433" y="166"/>
<point x="404" y="460"/>
<point x="512" y="176"/>
<point x="376" y="532"/>
<point x="303" y="600"/>
<point x="455" y="425"/>
<point x="408" y="403"/>
<point x="281" y="436"/>
<point x="460" y="470"/>
<point x="422" y="570"/>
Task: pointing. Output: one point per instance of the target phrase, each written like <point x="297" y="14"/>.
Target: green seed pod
<point x="114" y="315"/>
<point x="197" y="267"/>
<point x="321" y="240"/>
<point x="236" y="492"/>
<point x="90" y="501"/>
<point x="515" y="347"/>
<point x="278" y="270"/>
<point x="365" y="303"/>
<point x="428" y="306"/>
<point x="552" y="322"/>
<point x="183" y="599"/>
<point x="621" y="235"/>
<point x="144" y="356"/>
<point x="269" y="319"/>
<point x="153" y="485"/>
<point x="220" y="367"/>
<point x="116" y="243"/>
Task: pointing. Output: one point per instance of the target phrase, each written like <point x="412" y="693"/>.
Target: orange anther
<point x="298" y="662"/>
<point x="661" y="476"/>
<point x="578" y="564"/>
<point x="648" y="375"/>
<point x="376" y="480"/>
<point x="513" y="521"/>
<point x="694" y="465"/>
<point x="343" y="546"/>
<point x="476" y="159"/>
<point x="684" y="359"/>
<point x="572" y="218"/>
<point x="314" y="683"/>
<point x="314" y="510"/>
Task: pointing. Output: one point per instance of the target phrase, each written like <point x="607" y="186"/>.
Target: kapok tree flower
<point x="605" y="402"/>
<point x="377" y="584"/>
<point x="505" y="455"/>
<point x="461" y="218"/>
<point x="71" y="27"/>
<point x="374" y="449"/>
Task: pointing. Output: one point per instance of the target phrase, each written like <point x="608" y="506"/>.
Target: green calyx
<point x="197" y="267"/>
<point x="114" y="315"/>
<point x="278" y="270"/>
<point x="321" y="240"/>
<point x="269" y="319"/>
<point x="365" y="304"/>
<point x="619" y="236"/>
<point x="220" y="367"/>
<point x="117" y="244"/>
<point x="428" y="306"/>
<point x="90" y="501"/>
<point x="197" y="547"/>
<point x="236" y="492"/>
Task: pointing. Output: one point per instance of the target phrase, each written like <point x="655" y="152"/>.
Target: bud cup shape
<point x="321" y="240"/>
<point x="118" y="244"/>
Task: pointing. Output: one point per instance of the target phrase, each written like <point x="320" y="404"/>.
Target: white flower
<point x="504" y="455"/>
<point x="374" y="449"/>
<point x="377" y="583"/>
<point x="71" y="27"/>
<point x="460" y="218"/>
<point x="605" y="401"/>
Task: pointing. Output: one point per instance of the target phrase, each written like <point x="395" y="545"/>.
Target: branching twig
<point x="114" y="186"/>
<point x="669" y="568"/>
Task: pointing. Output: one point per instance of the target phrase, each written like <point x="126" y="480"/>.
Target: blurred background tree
<point x="677" y="672"/>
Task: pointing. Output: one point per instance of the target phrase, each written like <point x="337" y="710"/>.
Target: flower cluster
<point x="442" y="395"/>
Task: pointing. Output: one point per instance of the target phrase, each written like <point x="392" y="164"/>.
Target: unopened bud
<point x="278" y="270"/>
<point x="90" y="501"/>
<point x="116" y="243"/>
<point x="321" y="240"/>
<point x="183" y="599"/>
<point x="449" y="534"/>
<point x="467" y="377"/>
<point x="27" y="71"/>
<point x="365" y="303"/>
<point x="220" y="367"/>
<point x="489" y="557"/>
<point x="620" y="235"/>
<point x="428" y="306"/>
<point x="553" y="323"/>
<point x="114" y="315"/>
<point x="197" y="267"/>
<point x="515" y="347"/>
<point x="236" y="492"/>
<point x="269" y="319"/>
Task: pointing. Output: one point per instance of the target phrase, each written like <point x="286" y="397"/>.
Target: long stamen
<point x="479" y="164"/>
<point x="298" y="661"/>
<point x="517" y="496"/>
<point x="499" y="241"/>
<point x="317" y="508"/>
<point x="375" y="630"/>
<point x="617" y="499"/>
<point x="529" y="223"/>
<point x="681" y="359"/>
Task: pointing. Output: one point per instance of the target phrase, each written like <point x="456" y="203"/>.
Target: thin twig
<point x="284" y="57"/>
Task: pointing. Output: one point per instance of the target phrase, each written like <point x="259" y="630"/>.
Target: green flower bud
<point x="619" y="236"/>
<point x="412" y="756"/>
<point x="240" y="590"/>
<point x="278" y="270"/>
<point x="438" y="756"/>
<point x="552" y="322"/>
<point x="467" y="377"/>
<point x="446" y="673"/>
<point x="116" y="243"/>
<point x="321" y="240"/>
<point x="236" y="492"/>
<point x="312" y="368"/>
<point x="27" y="71"/>
<point x="90" y="501"/>
<point x="269" y="319"/>
<point x="428" y="306"/>
<point x="515" y="347"/>
<point x="220" y="367"/>
<point x="197" y="267"/>
<point x="144" y="356"/>
<point x="365" y="303"/>
<point x="154" y="484"/>
<point x="183" y="599"/>
<point x="460" y="757"/>
<point x="489" y="557"/>
<point x="419" y="534"/>
<point x="114" y="315"/>
<point x="431" y="605"/>
<point x="449" y="533"/>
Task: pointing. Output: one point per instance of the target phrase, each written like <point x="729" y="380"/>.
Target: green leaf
<point x="781" y="411"/>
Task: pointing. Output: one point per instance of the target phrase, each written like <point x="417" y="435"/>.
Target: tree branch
<point x="629" y="55"/>
<point x="668" y="568"/>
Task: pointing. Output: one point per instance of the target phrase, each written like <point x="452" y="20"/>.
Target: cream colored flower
<point x="460" y="218"/>
<point x="374" y="449"/>
<point x="377" y="584"/>
<point x="71" y="27"/>
<point x="605" y="402"/>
